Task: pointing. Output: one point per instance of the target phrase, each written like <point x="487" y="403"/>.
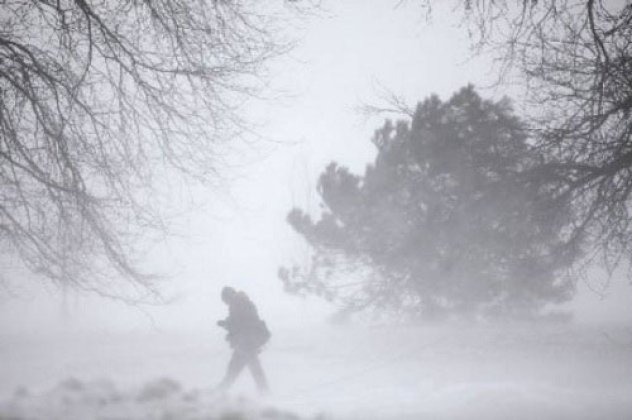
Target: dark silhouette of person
<point x="247" y="334"/>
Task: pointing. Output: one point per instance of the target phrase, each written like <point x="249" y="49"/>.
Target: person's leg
<point x="257" y="372"/>
<point x="237" y="363"/>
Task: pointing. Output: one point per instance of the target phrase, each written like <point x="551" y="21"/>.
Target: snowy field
<point x="482" y="372"/>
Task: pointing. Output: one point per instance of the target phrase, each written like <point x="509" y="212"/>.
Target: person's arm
<point x="241" y="315"/>
<point x="232" y="320"/>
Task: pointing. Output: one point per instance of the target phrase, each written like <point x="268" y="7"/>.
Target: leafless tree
<point x="98" y="100"/>
<point x="575" y="59"/>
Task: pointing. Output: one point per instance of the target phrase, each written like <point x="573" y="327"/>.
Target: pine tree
<point x="440" y="223"/>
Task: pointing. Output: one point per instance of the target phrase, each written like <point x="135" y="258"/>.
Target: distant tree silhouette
<point x="97" y="99"/>
<point x="441" y="222"/>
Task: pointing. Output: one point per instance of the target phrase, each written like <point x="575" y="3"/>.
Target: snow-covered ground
<point x="343" y="372"/>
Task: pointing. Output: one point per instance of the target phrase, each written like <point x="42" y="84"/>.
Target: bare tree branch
<point x="98" y="100"/>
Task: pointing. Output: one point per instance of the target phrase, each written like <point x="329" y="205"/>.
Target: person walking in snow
<point x="246" y="334"/>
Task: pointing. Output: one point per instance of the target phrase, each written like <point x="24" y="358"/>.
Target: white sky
<point x="342" y="60"/>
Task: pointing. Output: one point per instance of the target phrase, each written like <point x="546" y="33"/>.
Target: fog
<point x="67" y="354"/>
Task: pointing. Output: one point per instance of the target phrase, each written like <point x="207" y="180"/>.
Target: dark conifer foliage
<point x="441" y="222"/>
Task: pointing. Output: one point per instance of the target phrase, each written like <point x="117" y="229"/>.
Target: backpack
<point x="262" y="334"/>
